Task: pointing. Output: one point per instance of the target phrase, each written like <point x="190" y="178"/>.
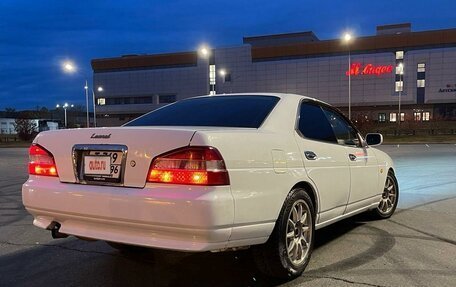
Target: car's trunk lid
<point x="138" y="145"/>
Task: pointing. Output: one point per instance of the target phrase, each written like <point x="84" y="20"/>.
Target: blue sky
<point x="35" y="36"/>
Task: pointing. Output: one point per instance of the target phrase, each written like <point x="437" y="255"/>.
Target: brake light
<point x="200" y="165"/>
<point x="41" y="162"/>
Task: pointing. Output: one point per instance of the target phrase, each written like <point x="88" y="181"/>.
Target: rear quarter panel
<point x="263" y="167"/>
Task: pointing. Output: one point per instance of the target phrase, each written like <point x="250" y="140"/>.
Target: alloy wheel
<point x="299" y="232"/>
<point x="389" y="196"/>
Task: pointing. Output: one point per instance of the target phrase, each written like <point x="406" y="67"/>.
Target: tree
<point x="26" y="129"/>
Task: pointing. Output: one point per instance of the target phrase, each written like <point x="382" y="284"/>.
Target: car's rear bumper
<point x="191" y="218"/>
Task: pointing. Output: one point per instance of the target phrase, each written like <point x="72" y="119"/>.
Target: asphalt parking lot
<point x="416" y="247"/>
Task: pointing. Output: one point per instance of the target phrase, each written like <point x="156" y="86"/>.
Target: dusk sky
<point x="35" y="36"/>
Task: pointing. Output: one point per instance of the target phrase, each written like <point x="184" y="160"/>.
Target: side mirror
<point x="374" y="139"/>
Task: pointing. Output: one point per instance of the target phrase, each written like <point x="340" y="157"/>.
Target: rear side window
<point x="217" y="111"/>
<point x="313" y="123"/>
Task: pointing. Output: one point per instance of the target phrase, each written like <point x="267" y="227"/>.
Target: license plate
<point x="103" y="166"/>
<point x="97" y="165"/>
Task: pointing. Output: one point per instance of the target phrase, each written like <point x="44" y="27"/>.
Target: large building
<point x="417" y="69"/>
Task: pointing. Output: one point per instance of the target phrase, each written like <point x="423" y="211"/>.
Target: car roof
<point x="280" y="95"/>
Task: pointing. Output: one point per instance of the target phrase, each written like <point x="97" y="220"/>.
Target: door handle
<point x="352" y="157"/>
<point x="310" y="155"/>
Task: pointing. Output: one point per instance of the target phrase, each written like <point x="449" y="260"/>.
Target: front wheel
<point x="390" y="198"/>
<point x="288" y="250"/>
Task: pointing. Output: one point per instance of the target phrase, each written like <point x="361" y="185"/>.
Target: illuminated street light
<point x="68" y="67"/>
<point x="65" y="107"/>
<point x="86" y="90"/>
<point x="347" y="39"/>
<point x="99" y="89"/>
<point x="204" y="51"/>
<point x="223" y="74"/>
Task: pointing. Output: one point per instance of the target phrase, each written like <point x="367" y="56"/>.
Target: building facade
<point x="7" y="126"/>
<point x="417" y="69"/>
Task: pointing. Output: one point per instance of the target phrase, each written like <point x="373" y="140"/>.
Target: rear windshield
<point x="215" y="111"/>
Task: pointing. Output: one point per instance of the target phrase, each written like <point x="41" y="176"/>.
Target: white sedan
<point x="212" y="173"/>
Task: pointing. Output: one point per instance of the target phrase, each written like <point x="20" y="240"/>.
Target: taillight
<point x="199" y="165"/>
<point x="41" y="162"/>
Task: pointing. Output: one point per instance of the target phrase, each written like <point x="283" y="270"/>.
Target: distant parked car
<point x="213" y="173"/>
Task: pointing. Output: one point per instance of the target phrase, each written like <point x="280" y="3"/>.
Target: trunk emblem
<point x="100" y="136"/>
<point x="132" y="163"/>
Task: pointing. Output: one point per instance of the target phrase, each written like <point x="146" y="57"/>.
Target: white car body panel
<point x="189" y="218"/>
<point x="329" y="173"/>
<point x="263" y="165"/>
<point x="364" y="173"/>
<point x="158" y="140"/>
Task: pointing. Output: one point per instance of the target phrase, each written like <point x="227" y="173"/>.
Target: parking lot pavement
<point x="416" y="247"/>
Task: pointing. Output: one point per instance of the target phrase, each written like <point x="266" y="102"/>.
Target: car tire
<point x="390" y="198"/>
<point x="279" y="257"/>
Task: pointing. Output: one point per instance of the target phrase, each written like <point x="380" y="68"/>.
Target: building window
<point x="399" y="55"/>
<point x="228" y="77"/>
<point x="381" y="117"/>
<point x="211" y="74"/>
<point x="421" y="67"/>
<point x="420" y="83"/>
<point x="417" y="116"/>
<point x="393" y="117"/>
<point x="399" y="86"/>
<point x="101" y="101"/>
<point x="402" y="117"/>
<point x="140" y="100"/>
<point x="166" y="99"/>
<point x="426" y="116"/>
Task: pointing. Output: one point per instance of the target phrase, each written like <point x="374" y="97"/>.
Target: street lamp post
<point x="65" y="107"/>
<point x="86" y="88"/>
<point x="222" y="73"/>
<point x="99" y="89"/>
<point x="69" y="67"/>
<point x="347" y="39"/>
<point x="227" y="76"/>
<point x="205" y="53"/>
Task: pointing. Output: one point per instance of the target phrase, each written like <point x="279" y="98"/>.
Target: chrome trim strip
<point x="77" y="162"/>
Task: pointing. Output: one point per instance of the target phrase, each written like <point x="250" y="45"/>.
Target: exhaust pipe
<point x="55" y="231"/>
